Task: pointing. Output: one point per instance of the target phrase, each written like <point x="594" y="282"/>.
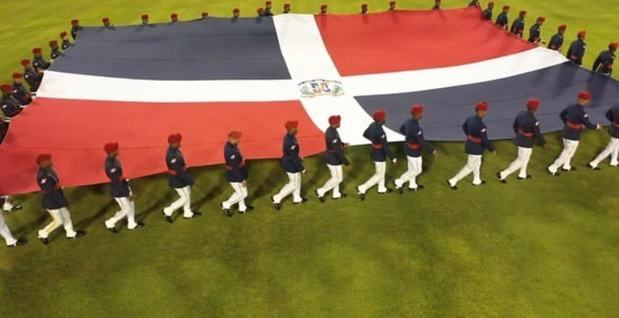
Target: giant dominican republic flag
<point x="137" y="84"/>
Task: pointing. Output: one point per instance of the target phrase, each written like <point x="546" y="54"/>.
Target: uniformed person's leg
<point x="243" y="194"/>
<point x="7" y="205"/>
<point x="374" y="179"/>
<point x="235" y="197"/>
<point x="561" y="159"/>
<point x="5" y="232"/>
<point x="614" y="157"/>
<point x="417" y="169"/>
<point x="182" y="197"/>
<point x="465" y="171"/>
<point x="476" y="168"/>
<point x="124" y="210"/>
<point x="333" y="183"/>
<point x="54" y="224"/>
<point x="131" y="223"/>
<point x="406" y="176"/>
<point x="513" y="166"/>
<point x="572" y="145"/>
<point x="187" y="213"/>
<point x="296" y="194"/>
<point x="608" y="151"/>
<point x="289" y="188"/>
<point x="381" y="169"/>
<point x="67" y="223"/>
<point x="525" y="154"/>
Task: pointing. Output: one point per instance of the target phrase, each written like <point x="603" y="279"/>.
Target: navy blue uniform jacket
<point x="476" y="136"/>
<point x="235" y="165"/>
<point x="335" y="148"/>
<point x="526" y="127"/>
<point x="380" y="147"/>
<point x="179" y="177"/>
<point x="415" y="142"/>
<point x="53" y="196"/>
<point x="119" y="186"/>
<point x="291" y="161"/>
<point x="575" y="119"/>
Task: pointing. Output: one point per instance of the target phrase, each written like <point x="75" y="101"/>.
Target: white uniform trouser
<point x="565" y="158"/>
<point x="473" y="164"/>
<point x="521" y="162"/>
<point x="184" y="201"/>
<point x="415" y="167"/>
<point x="377" y="179"/>
<point x="239" y="196"/>
<point x="7" y="206"/>
<point x="6" y="232"/>
<point x="127" y="209"/>
<point x="337" y="176"/>
<point x="293" y="186"/>
<point x="611" y="150"/>
<point x="59" y="217"/>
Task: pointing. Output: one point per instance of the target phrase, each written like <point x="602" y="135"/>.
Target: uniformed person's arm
<point x="387" y="149"/>
<point x="587" y="122"/>
<point x="538" y="133"/>
<point x="424" y="143"/>
<point x="484" y="136"/>
<point x="403" y="129"/>
<point x="563" y="116"/>
<point x="465" y="127"/>
<point x="597" y="62"/>
<point x="515" y="125"/>
<point x="50" y="188"/>
<point x="181" y="172"/>
<point x="609" y="115"/>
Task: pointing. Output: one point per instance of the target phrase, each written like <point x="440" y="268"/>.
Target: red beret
<point x="144" y="16"/>
<point x="235" y="134"/>
<point x="506" y="7"/>
<point x="562" y="27"/>
<point x="36" y="50"/>
<point x="17" y="75"/>
<point x="582" y="34"/>
<point x="379" y="115"/>
<point x="523" y="12"/>
<point x="63" y="34"/>
<point x="204" y="14"/>
<point x="43" y="157"/>
<point x="613" y="45"/>
<point x="105" y="20"/>
<point x="481" y="106"/>
<point x="260" y="10"/>
<point x="291" y="124"/>
<point x="533" y="104"/>
<point x="111" y="147"/>
<point x="75" y="22"/>
<point x="541" y="19"/>
<point x="417" y="109"/>
<point x="236" y="10"/>
<point x="335" y="119"/>
<point x="6" y="88"/>
<point x="175" y="139"/>
<point x="25" y="62"/>
<point x="586" y="95"/>
<point x="53" y="43"/>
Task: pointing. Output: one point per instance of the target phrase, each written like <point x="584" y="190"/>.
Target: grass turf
<point x="546" y="247"/>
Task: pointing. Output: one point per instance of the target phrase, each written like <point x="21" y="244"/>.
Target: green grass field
<point x="547" y="247"/>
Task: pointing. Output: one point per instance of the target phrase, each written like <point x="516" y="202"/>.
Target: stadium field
<point x="546" y="247"/>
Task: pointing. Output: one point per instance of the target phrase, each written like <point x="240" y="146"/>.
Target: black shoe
<point x="592" y="167"/>
<point x="401" y="190"/>
<point x="79" y="233"/>
<point x="343" y="195"/>
<point x="227" y="212"/>
<point x="276" y="206"/>
<point x="194" y="215"/>
<point x="419" y="188"/>
<point x="571" y="169"/>
<point x="168" y="217"/>
<point x="498" y="175"/>
<point x="249" y="208"/>
<point x="454" y="187"/>
<point x="321" y="198"/>
<point x="527" y="177"/>
<point x="112" y="229"/>
<point x="482" y="183"/>
<point x="19" y="242"/>
<point x="360" y="194"/>
<point x="139" y="225"/>
<point x="389" y="190"/>
<point x="303" y="200"/>
<point x="45" y="241"/>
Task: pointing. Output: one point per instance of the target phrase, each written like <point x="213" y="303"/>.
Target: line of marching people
<point x="526" y="129"/>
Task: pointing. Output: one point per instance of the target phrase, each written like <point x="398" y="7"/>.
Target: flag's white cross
<point x="307" y="58"/>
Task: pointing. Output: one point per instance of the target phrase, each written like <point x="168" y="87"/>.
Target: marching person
<point x="107" y="23"/>
<point x="120" y="191"/>
<point x="293" y="165"/>
<point x="380" y="153"/>
<point x="604" y="62"/>
<point x="437" y="5"/>
<point x="335" y="158"/>
<point x="414" y="144"/>
<point x="65" y="44"/>
<point x="53" y="201"/>
<point x="474" y="3"/>
<point x="526" y="127"/>
<point x="7" y="205"/>
<point x="5" y="232"/>
<point x="612" y="149"/>
<point x="179" y="179"/>
<point x="476" y="142"/>
<point x="236" y="174"/>
<point x="487" y="13"/>
<point x="502" y="20"/>
<point x="10" y="107"/>
<point x="173" y="17"/>
<point x="518" y="24"/>
<point x="55" y="53"/>
<point x="575" y="119"/>
<point x="391" y="5"/>
<point x="364" y="8"/>
<point x="20" y="92"/>
<point x="144" y="19"/>
<point x="75" y="28"/>
<point x="323" y="9"/>
<point x="535" y="32"/>
<point x="39" y="63"/>
<point x="268" y="9"/>
<point x="556" y="42"/>
<point x="286" y="7"/>
<point x="32" y="77"/>
<point x="577" y="49"/>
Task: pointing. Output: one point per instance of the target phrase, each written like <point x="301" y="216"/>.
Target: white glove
<point x="395" y="160"/>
